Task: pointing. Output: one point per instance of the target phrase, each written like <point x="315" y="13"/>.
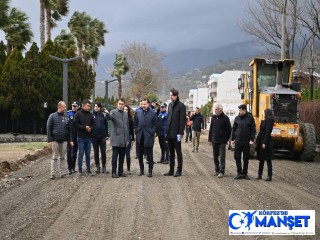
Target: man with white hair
<point x="219" y="134"/>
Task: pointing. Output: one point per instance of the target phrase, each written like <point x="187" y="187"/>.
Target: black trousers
<point x="269" y="164"/>
<point x="149" y="152"/>
<point x="118" y="152"/>
<point x="99" y="143"/>
<point x="72" y="154"/>
<point x="239" y="150"/>
<point x="175" y="147"/>
<point x="164" y="148"/>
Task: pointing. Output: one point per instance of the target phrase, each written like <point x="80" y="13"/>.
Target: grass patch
<point x="30" y="146"/>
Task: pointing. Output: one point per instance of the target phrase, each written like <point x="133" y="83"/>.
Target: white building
<point x="212" y="83"/>
<point x="197" y="98"/>
<point x="225" y="89"/>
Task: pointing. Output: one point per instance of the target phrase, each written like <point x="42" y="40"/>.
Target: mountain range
<point x="186" y="60"/>
<point x="180" y="62"/>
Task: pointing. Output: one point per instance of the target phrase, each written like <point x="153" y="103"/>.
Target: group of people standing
<point x="78" y="129"/>
<point x="242" y="134"/>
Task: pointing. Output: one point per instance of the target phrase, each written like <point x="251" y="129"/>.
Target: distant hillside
<point x="188" y="67"/>
<point x="182" y="61"/>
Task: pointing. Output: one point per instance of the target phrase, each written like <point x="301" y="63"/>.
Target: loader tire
<point x="308" y="133"/>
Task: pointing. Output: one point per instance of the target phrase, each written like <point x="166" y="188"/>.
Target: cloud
<point x="163" y="24"/>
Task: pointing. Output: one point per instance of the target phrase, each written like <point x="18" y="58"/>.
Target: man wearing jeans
<point x="219" y="134"/>
<point x="119" y="137"/>
<point x="84" y="123"/>
<point x="58" y="131"/>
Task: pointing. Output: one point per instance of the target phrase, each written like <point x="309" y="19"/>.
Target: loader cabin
<point x="270" y="85"/>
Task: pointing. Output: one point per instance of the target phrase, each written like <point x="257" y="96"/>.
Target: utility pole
<point x="107" y="90"/>
<point x="65" y="62"/>
<point x="311" y="69"/>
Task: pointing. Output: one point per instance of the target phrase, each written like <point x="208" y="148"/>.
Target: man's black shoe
<point x="177" y="174"/>
<point x="122" y="175"/>
<point x="245" y="177"/>
<point x="114" y="175"/>
<point x="69" y="171"/>
<point x="239" y="176"/>
<point x="141" y="173"/>
<point x="268" y="179"/>
<point x="168" y="174"/>
<point x="150" y="174"/>
<point x="165" y="162"/>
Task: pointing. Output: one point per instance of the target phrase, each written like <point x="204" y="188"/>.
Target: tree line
<point x="31" y="85"/>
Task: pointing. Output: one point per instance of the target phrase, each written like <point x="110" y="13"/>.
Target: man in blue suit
<point x="145" y="123"/>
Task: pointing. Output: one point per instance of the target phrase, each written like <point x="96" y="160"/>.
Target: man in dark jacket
<point x="100" y="132"/>
<point x="72" y="151"/>
<point x="219" y="135"/>
<point x="119" y="137"/>
<point x="162" y="134"/>
<point x="197" y="125"/>
<point x="175" y="129"/>
<point x="243" y="134"/>
<point x="145" y="123"/>
<point x="84" y="123"/>
<point x="58" y="130"/>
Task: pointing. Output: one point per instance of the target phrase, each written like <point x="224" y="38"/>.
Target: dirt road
<point x="194" y="206"/>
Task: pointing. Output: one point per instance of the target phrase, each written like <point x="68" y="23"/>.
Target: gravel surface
<point x="194" y="206"/>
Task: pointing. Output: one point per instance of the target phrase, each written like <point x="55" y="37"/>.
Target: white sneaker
<point x="220" y="175"/>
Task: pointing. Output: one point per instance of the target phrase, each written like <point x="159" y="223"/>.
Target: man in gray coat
<point x="119" y="137"/>
<point x="145" y="123"/>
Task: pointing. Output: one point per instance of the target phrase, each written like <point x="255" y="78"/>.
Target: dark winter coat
<point x="145" y="123"/>
<point x="131" y="128"/>
<point x="81" y="120"/>
<point x="162" y="121"/>
<point x="197" y="122"/>
<point x="220" y="129"/>
<point x="101" y="125"/>
<point x="243" y="130"/>
<point x="264" y="137"/>
<point x="176" y="119"/>
<point x="73" y="129"/>
<point x="58" y="128"/>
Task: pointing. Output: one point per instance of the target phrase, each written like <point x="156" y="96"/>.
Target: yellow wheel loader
<point x="269" y="84"/>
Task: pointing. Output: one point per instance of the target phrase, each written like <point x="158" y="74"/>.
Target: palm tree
<point x="65" y="40"/>
<point x="121" y="67"/>
<point x="55" y="9"/>
<point x="4" y="10"/>
<point x="96" y="39"/>
<point x="42" y="24"/>
<point x="17" y="31"/>
<point x="79" y="25"/>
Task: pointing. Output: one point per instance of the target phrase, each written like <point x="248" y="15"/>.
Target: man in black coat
<point x="197" y="125"/>
<point x="243" y="134"/>
<point x="219" y="135"/>
<point x="175" y="129"/>
<point x="145" y="123"/>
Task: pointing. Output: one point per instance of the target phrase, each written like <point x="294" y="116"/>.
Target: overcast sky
<point x="166" y="25"/>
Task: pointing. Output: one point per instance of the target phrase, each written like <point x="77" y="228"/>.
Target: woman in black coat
<point x="265" y="144"/>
